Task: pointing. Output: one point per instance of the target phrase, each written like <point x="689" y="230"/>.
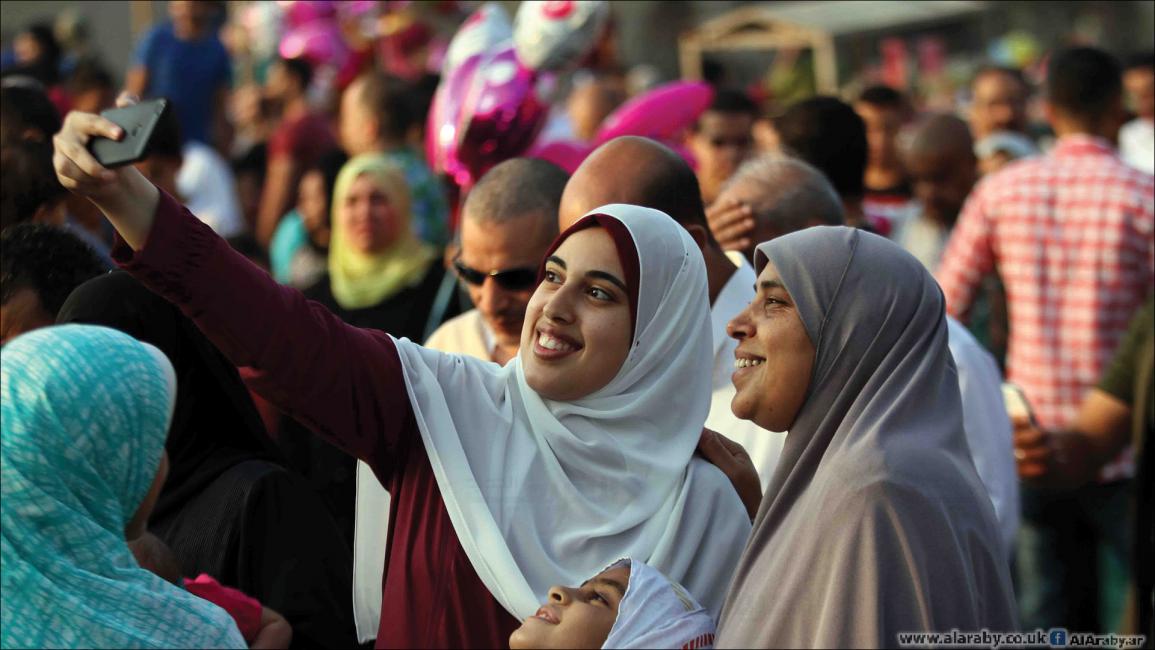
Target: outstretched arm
<point x="343" y="382"/>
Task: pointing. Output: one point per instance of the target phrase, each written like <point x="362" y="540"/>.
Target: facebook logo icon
<point x="1057" y="638"/>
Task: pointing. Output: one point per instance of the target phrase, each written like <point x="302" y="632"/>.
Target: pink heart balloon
<point x="444" y="121"/>
<point x="564" y="153"/>
<point x="662" y="113"/>
<point x="502" y="114"/>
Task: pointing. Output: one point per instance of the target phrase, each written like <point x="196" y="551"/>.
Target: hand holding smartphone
<point x="139" y="122"/>
<point x="1017" y="405"/>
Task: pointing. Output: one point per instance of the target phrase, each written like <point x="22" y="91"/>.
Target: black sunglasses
<point x="510" y="279"/>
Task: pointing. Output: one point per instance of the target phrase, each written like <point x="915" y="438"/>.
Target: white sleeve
<point x="988" y="427"/>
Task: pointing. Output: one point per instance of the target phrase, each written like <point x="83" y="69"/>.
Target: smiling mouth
<point x="747" y="362"/>
<point x="551" y="347"/>
<point x="547" y="615"/>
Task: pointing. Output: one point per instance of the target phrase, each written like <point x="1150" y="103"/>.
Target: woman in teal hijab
<point x="85" y="412"/>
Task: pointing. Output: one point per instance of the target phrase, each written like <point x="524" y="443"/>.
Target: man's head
<point x="91" y="88"/>
<point x="998" y="101"/>
<point x="591" y="101"/>
<point x="722" y="139"/>
<point x="190" y="18"/>
<point x="1085" y="92"/>
<point x="1139" y="80"/>
<point x="165" y="154"/>
<point x="508" y="222"/>
<point x="288" y="79"/>
<point x="637" y="171"/>
<point x="883" y="110"/>
<point x="785" y="194"/>
<point x="26" y="113"/>
<point x="29" y="190"/>
<point x="828" y="134"/>
<point x="376" y="112"/>
<point x="39" y="267"/>
<point x="940" y="161"/>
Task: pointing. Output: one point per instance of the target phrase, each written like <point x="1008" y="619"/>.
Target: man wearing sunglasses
<point x="508" y="221"/>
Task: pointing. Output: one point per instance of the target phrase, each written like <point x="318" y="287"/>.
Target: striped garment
<point x="1071" y="236"/>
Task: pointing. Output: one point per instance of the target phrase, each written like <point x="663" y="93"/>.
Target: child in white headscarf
<point x="628" y="605"/>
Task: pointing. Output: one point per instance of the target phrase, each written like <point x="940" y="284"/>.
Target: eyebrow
<point x="766" y="285"/>
<point x="605" y="582"/>
<point x="608" y="277"/>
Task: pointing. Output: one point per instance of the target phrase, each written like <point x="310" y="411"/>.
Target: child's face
<point x="575" y="618"/>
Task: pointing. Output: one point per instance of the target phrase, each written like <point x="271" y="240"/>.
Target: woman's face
<point x="577" y="330"/>
<point x="313" y="206"/>
<point x="575" y="618"/>
<point x="774" y="358"/>
<point x="369" y="220"/>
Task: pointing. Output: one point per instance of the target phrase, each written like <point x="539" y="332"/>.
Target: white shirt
<point x="1137" y="144"/>
<point x="206" y="183"/>
<point x="987" y="427"/>
<point x="763" y="446"/>
<point x="924" y="239"/>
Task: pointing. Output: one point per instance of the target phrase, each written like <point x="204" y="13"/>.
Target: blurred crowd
<point x="351" y="157"/>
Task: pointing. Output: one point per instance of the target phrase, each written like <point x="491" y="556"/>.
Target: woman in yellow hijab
<point x="380" y="276"/>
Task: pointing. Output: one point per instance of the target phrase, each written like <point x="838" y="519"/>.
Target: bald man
<point x="642" y="172"/>
<point x="938" y="153"/>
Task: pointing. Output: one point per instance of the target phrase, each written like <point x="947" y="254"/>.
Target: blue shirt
<point x="188" y="73"/>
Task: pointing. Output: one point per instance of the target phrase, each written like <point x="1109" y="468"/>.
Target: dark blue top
<point x="188" y="73"/>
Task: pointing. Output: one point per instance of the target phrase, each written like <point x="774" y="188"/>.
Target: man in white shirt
<point x="508" y="222"/>
<point x="1137" y="137"/>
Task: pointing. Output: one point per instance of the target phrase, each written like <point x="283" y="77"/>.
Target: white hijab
<point x="543" y="492"/>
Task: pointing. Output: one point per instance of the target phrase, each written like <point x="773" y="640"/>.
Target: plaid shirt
<point x="1071" y="234"/>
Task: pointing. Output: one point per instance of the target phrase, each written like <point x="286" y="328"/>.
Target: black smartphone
<point x="139" y="122"/>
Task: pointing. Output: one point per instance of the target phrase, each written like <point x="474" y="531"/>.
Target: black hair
<point x="46" y="259"/>
<point x="515" y="188"/>
<point x="883" y="97"/>
<point x="393" y="102"/>
<point x="46" y="69"/>
<point x="828" y="134"/>
<point x="89" y="74"/>
<point x="28" y="182"/>
<point x="26" y="108"/>
<point x="1007" y="71"/>
<point x="1139" y="61"/>
<point x="1083" y="82"/>
<point x="728" y="100"/>
<point x="300" y="69"/>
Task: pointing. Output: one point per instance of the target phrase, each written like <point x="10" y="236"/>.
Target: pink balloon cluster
<point x="488" y="107"/>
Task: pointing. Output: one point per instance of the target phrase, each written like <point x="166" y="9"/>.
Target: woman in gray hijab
<point x="875" y="521"/>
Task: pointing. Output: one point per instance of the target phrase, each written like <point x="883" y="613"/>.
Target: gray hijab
<point x="875" y="521"/>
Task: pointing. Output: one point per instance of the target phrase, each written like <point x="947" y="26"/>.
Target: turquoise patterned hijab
<point x="84" y="412"/>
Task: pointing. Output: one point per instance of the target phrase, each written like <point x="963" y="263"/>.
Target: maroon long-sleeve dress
<point x="345" y="384"/>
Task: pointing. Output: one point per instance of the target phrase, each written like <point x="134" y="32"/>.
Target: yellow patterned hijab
<point x="361" y="280"/>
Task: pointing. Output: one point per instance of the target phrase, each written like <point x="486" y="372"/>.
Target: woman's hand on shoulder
<point x="734" y="461"/>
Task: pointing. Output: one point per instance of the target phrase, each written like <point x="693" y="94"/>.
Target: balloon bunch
<point x="313" y="31"/>
<point x="489" y="106"/>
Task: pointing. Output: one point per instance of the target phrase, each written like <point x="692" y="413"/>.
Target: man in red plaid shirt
<point x="1070" y="234"/>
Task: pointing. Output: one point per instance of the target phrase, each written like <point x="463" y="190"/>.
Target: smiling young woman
<point x="504" y="479"/>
